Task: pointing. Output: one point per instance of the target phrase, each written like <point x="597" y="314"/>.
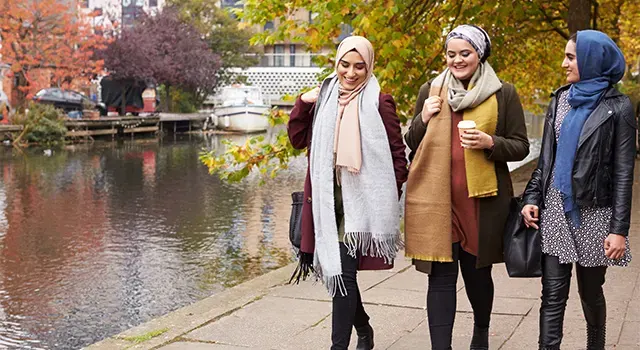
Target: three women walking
<point x="467" y="125"/>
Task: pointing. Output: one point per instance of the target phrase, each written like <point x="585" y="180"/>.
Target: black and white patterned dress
<point x="560" y="238"/>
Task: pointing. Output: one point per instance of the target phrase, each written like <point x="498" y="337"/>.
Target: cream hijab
<point x="347" y="147"/>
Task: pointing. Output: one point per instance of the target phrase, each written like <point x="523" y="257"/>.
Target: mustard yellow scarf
<point x="428" y="199"/>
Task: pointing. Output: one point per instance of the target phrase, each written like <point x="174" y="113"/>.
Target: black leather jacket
<point x="603" y="167"/>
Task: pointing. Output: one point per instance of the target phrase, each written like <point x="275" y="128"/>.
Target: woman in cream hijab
<point x="357" y="166"/>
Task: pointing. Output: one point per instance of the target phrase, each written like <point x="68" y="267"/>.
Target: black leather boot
<point x="553" y="347"/>
<point x="594" y="305"/>
<point x="596" y="337"/>
<point x="480" y="339"/>
<point x="365" y="338"/>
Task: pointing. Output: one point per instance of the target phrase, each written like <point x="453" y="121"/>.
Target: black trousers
<point x="441" y="295"/>
<point x="348" y="311"/>
<point x="556" y="280"/>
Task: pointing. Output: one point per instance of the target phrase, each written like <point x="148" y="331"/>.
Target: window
<point x="312" y="16"/>
<point x="268" y="26"/>
<point x="231" y="3"/>
<point x="84" y="4"/>
<point x="292" y="55"/>
<point x="278" y="51"/>
<point x="153" y="3"/>
<point x="345" y="31"/>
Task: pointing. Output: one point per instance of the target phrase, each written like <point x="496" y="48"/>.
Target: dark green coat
<point x="511" y="145"/>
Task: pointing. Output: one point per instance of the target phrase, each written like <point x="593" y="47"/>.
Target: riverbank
<point x="266" y="313"/>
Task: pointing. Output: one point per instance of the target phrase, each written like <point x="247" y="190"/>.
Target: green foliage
<point x="528" y="39"/>
<point x="257" y="153"/>
<point x="224" y="34"/>
<point x="182" y="101"/>
<point x="44" y="125"/>
<point x="147" y="336"/>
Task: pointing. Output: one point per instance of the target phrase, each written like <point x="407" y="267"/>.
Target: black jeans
<point x="347" y="310"/>
<point x="556" y="279"/>
<point x="441" y="295"/>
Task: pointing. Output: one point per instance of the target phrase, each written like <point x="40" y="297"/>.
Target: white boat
<point x="241" y="108"/>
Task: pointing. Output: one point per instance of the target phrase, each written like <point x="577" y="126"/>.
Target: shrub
<point x="44" y="125"/>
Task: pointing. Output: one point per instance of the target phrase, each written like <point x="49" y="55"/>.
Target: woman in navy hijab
<point x="579" y="196"/>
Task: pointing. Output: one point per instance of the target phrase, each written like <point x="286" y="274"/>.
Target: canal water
<point x="97" y="239"/>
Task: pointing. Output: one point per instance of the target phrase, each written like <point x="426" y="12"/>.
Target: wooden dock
<point x="127" y="125"/>
<point x="182" y="122"/>
<point x="112" y="126"/>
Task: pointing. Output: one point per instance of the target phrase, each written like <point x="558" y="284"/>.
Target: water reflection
<point x="96" y="240"/>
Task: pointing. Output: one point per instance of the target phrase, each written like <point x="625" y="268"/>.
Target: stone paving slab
<point x="314" y="290"/>
<point x="390" y="324"/>
<point x="502" y="327"/>
<point x="395" y="297"/>
<point x="630" y="335"/>
<point x="265" y="323"/>
<point x="526" y="335"/>
<point x="200" y="346"/>
<point x="410" y="279"/>
<point x="192" y="316"/>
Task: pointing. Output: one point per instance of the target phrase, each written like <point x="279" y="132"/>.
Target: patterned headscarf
<point x="475" y="36"/>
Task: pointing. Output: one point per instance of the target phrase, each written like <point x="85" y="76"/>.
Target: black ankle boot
<point x="365" y="338"/>
<point x="552" y="347"/>
<point x="596" y="337"/>
<point x="480" y="339"/>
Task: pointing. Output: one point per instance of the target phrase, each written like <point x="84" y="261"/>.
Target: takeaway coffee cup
<point x="465" y="125"/>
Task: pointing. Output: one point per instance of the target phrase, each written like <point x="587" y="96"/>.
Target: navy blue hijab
<point x="600" y="64"/>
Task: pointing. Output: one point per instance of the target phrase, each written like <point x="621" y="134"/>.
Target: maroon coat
<point x="299" y="130"/>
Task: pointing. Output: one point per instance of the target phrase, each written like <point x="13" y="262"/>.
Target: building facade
<point x="284" y="68"/>
<point x="124" y="12"/>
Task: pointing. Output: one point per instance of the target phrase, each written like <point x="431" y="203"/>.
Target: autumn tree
<point x="225" y="35"/>
<point x="129" y="60"/>
<point x="164" y="50"/>
<point x="48" y="40"/>
<point x="528" y="39"/>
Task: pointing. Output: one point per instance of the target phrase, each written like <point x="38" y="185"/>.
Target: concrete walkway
<point x="265" y="313"/>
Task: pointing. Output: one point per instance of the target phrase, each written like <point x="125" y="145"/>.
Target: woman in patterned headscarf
<point x="582" y="185"/>
<point x="459" y="187"/>
<point x="357" y="165"/>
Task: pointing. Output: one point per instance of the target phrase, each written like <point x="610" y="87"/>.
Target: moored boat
<point x="241" y="108"/>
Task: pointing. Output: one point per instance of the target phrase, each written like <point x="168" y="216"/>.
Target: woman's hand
<point x="431" y="107"/>
<point x="615" y="246"/>
<point x="310" y="96"/>
<point x="476" y="139"/>
<point x="530" y="215"/>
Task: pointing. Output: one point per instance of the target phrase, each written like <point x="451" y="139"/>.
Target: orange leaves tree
<point x="528" y="39"/>
<point x="48" y="40"/>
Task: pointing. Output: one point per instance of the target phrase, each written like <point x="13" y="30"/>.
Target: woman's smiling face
<point x="570" y="63"/>
<point x="462" y="59"/>
<point x="352" y="70"/>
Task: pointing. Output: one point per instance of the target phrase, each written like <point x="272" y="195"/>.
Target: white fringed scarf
<point x="370" y="197"/>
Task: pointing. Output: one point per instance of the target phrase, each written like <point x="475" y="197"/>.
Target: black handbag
<point x="522" y="244"/>
<point x="295" y="221"/>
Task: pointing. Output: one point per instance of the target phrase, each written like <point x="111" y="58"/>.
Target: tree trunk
<point x="579" y="15"/>
<point x="123" y="104"/>
<point x="20" y="94"/>
<point x="167" y="98"/>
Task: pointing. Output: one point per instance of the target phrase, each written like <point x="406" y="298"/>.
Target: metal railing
<point x="285" y="59"/>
